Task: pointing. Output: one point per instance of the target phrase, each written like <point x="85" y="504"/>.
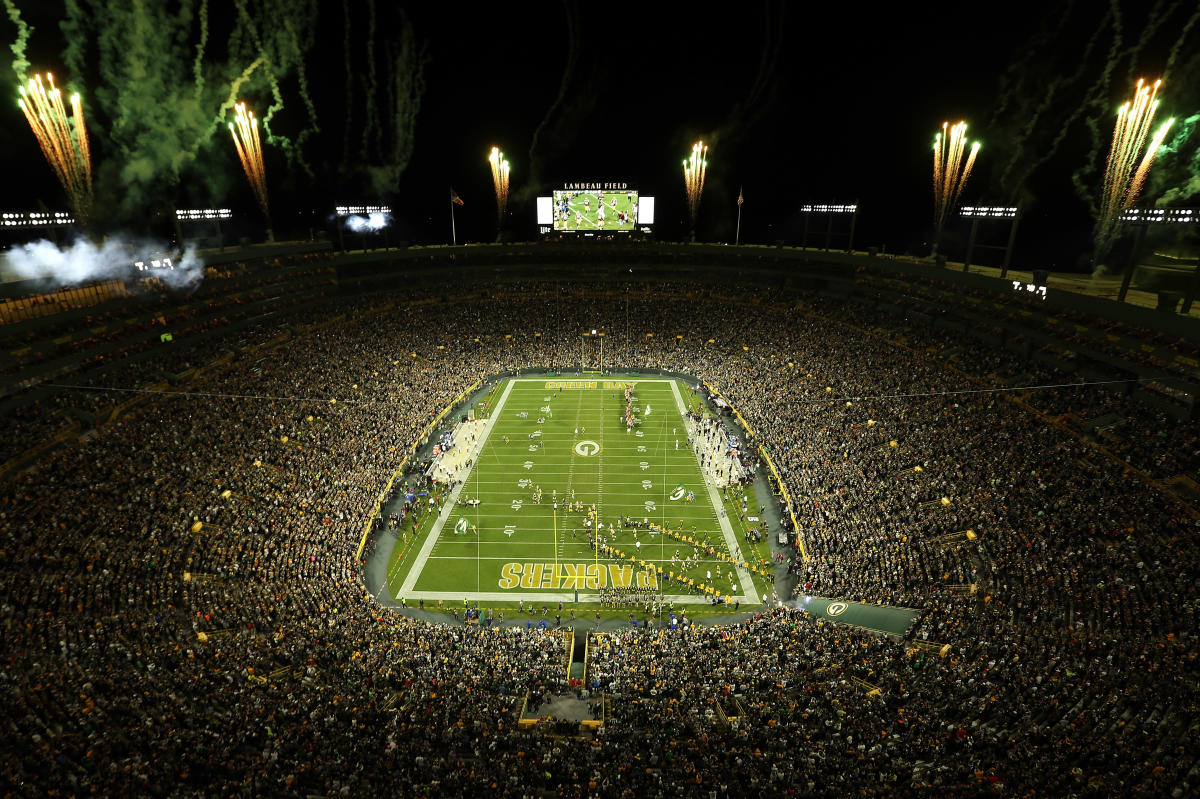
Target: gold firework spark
<point x="500" y="172"/>
<point x="1122" y="181"/>
<point x="693" y="178"/>
<point x="249" y="150"/>
<point x="64" y="142"/>
<point x="949" y="173"/>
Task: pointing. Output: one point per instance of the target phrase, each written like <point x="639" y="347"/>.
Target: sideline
<point x="414" y="571"/>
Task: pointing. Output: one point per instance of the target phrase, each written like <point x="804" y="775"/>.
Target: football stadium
<point x="318" y="480"/>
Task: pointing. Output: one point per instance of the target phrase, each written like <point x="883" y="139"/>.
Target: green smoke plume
<point x="20" y="64"/>
<point x="406" y="86"/>
<point x="1184" y="166"/>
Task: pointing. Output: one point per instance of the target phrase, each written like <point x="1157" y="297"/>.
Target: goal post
<point x="591" y="352"/>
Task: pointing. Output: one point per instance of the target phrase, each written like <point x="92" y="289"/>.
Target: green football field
<point x="494" y="542"/>
<point x="581" y="210"/>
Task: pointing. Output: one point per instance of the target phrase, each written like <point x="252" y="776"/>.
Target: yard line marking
<point x="414" y="573"/>
<point x="574" y="457"/>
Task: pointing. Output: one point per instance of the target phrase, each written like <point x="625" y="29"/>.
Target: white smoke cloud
<point x="115" y="259"/>
<point x="368" y="224"/>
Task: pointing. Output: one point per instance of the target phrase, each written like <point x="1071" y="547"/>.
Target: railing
<point x="568" y="637"/>
<point x="930" y="647"/>
<point x="587" y="662"/>
<point x="872" y="690"/>
<point x="952" y="538"/>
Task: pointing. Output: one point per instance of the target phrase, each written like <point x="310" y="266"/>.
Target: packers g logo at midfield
<point x="836" y="608"/>
<point x="587" y="448"/>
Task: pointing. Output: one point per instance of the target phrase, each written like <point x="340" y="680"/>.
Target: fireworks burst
<point x="949" y="173"/>
<point x="63" y="142"/>
<point x="693" y="178"/>
<point x="500" y="171"/>
<point x="249" y="150"/>
<point x="1122" y="182"/>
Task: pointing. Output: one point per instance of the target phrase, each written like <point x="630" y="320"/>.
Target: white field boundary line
<point x="414" y="573"/>
<point x="512" y="559"/>
<point x="578" y="379"/>
<point x="748" y="589"/>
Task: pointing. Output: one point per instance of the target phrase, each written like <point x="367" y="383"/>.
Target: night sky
<point x="798" y="105"/>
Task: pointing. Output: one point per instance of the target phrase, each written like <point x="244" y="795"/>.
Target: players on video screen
<point x="587" y="210"/>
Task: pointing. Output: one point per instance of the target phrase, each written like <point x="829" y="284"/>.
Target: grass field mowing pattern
<point x="518" y="549"/>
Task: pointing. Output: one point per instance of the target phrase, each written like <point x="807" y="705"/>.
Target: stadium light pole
<point x="215" y="215"/>
<point x="50" y="220"/>
<point x="1143" y="218"/>
<point x="343" y="212"/>
<point x="830" y="211"/>
<point x="978" y="212"/>
<point x="737" y="237"/>
<point x="1190" y="297"/>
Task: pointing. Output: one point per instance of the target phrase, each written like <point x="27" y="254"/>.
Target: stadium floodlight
<point x="36" y="219"/>
<point x="213" y="215"/>
<point x="989" y="211"/>
<point x="364" y="219"/>
<point x="1162" y="216"/>
<point x="977" y="212"/>
<point x="194" y="214"/>
<point x="361" y="210"/>
<point x="829" y="209"/>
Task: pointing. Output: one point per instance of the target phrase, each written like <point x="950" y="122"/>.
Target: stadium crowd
<point x="184" y="614"/>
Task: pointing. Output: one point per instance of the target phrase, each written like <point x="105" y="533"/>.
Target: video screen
<point x="589" y="211"/>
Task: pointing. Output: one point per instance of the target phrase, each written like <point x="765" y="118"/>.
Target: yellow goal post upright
<point x="591" y="352"/>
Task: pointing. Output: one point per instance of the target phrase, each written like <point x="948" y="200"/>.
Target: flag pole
<point x="737" y="237"/>
<point x="453" y="231"/>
